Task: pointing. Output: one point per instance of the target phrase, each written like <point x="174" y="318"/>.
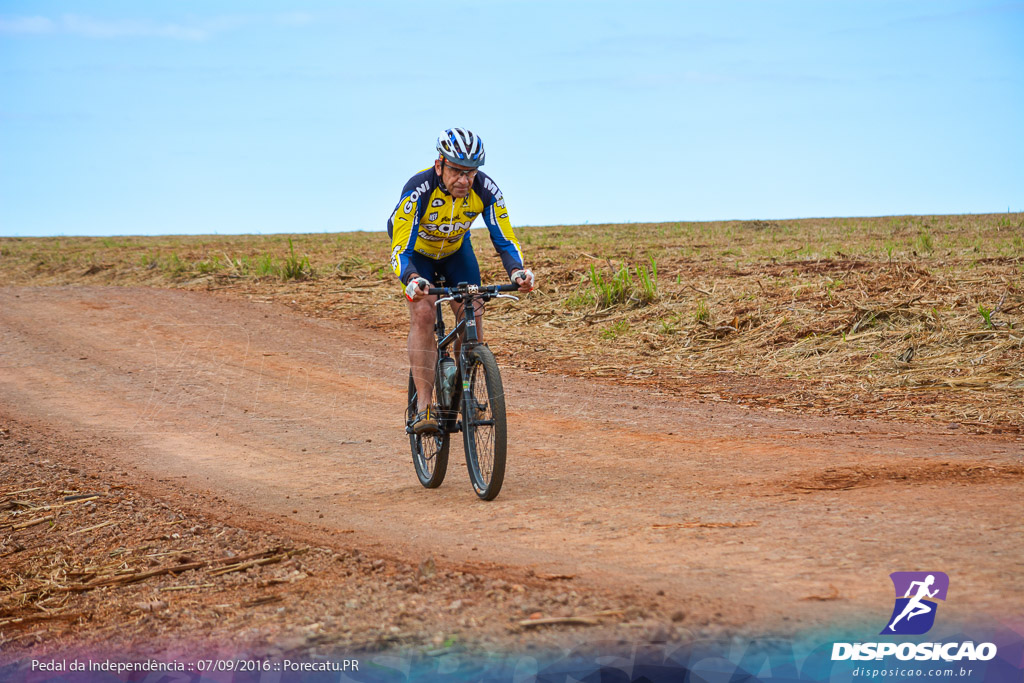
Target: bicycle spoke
<point x="484" y="417"/>
<point x="429" y="451"/>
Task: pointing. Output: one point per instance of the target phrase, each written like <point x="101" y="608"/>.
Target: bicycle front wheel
<point x="429" y="451"/>
<point x="483" y="422"/>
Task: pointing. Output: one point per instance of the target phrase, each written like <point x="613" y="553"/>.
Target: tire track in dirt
<point x="299" y="420"/>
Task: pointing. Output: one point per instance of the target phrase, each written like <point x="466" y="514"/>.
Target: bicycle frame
<point x="465" y="294"/>
<point x="467" y="323"/>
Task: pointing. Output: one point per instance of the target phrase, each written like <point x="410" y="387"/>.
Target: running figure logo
<point x="916" y="594"/>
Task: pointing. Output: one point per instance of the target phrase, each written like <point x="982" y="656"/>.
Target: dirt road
<point x="763" y="520"/>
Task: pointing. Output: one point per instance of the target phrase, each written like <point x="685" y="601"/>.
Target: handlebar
<point x="463" y="289"/>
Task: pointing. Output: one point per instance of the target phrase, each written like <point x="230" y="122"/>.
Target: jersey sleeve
<point x="403" y="226"/>
<point x="499" y="226"/>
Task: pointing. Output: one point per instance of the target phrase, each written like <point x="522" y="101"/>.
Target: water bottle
<point x="447" y="380"/>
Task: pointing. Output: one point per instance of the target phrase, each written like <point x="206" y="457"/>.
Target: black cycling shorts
<point x="460" y="267"/>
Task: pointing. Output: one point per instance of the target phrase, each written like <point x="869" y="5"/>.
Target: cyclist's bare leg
<point x="422" y="349"/>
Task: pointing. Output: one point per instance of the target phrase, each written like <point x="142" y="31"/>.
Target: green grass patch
<point x="702" y="314"/>
<point x="295" y="268"/>
<point x="615" y="330"/>
<point x="626" y="287"/>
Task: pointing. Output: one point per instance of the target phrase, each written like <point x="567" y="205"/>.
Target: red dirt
<point x="252" y="417"/>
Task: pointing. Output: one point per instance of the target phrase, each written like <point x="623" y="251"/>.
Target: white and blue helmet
<point x="461" y="147"/>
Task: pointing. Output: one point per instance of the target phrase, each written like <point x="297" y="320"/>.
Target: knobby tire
<point x="429" y="451"/>
<point x="484" y="429"/>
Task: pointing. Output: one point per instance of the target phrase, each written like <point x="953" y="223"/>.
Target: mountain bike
<point x="468" y="395"/>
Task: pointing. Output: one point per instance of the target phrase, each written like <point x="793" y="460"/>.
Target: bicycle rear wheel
<point x="483" y="422"/>
<point x="429" y="451"/>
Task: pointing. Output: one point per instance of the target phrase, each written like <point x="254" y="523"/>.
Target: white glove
<point x="416" y="289"/>
<point x="523" y="278"/>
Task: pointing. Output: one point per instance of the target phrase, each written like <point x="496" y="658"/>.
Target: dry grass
<point x="114" y="571"/>
<point x="917" y="318"/>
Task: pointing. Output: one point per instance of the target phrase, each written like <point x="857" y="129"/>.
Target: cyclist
<point x="430" y="239"/>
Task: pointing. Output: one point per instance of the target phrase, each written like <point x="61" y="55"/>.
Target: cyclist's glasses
<point x="462" y="172"/>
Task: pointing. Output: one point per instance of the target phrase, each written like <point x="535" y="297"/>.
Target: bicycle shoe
<point x="425" y="422"/>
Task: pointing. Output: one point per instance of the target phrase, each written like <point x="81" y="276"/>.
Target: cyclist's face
<point x="458" y="179"/>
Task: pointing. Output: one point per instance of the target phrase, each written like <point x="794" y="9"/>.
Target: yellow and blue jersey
<point x="430" y="221"/>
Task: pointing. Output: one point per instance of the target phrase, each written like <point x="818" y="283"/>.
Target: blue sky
<point x="264" y="117"/>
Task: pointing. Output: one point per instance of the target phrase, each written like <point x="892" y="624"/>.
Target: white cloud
<point x="119" y="28"/>
<point x="90" y="27"/>
<point x="26" y="25"/>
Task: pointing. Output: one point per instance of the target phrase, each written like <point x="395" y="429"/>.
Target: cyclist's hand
<point x="523" y="278"/>
<point x="416" y="289"/>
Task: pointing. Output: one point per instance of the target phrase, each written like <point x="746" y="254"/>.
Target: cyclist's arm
<point x="404" y="224"/>
<point x="404" y="229"/>
<point x="500" y="227"/>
